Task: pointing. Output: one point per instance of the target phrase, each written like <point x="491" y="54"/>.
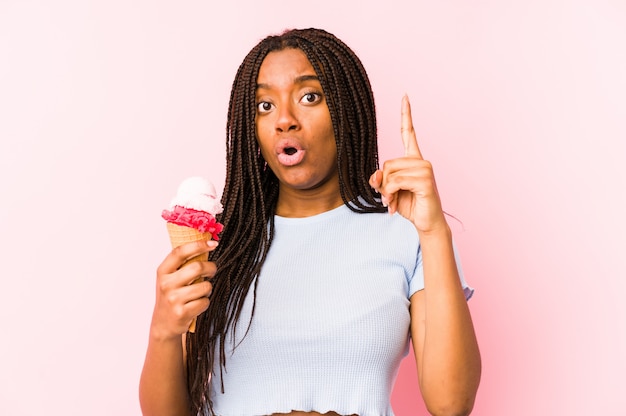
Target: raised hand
<point x="178" y="301"/>
<point x="407" y="184"/>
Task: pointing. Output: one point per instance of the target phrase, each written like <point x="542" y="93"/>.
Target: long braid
<point x="251" y="188"/>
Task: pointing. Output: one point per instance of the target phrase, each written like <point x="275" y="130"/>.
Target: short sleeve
<point x="416" y="281"/>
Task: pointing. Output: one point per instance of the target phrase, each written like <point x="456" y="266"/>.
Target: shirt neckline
<point x="323" y="216"/>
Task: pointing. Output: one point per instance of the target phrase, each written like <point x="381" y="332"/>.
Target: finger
<point x="195" y="271"/>
<point x="196" y="307"/>
<point x="422" y="187"/>
<point x="185" y="294"/>
<point x="376" y="180"/>
<point x="199" y="301"/>
<point x="392" y="205"/>
<point x="192" y="275"/>
<point x="396" y="165"/>
<point x="407" y="131"/>
<point x="182" y="253"/>
<point x="198" y="290"/>
<point x="184" y="312"/>
<point x="407" y="174"/>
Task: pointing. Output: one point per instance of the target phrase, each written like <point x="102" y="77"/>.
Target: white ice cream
<point x="197" y="193"/>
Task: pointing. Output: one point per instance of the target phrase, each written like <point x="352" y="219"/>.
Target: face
<point x="293" y="124"/>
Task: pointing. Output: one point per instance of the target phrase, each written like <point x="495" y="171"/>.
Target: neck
<point x="296" y="203"/>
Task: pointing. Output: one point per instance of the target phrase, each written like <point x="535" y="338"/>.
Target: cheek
<point x="329" y="133"/>
<point x="260" y="132"/>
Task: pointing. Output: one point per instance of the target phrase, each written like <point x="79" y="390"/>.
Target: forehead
<point x="283" y="65"/>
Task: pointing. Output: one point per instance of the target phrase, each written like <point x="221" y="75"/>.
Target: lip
<point x="289" y="152"/>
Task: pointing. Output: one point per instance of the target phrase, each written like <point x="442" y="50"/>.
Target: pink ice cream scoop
<point x="195" y="206"/>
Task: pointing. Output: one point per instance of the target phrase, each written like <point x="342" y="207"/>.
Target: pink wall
<point x="106" y="105"/>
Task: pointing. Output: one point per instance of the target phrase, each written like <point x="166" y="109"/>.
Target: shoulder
<point x="393" y="223"/>
<point x="385" y="229"/>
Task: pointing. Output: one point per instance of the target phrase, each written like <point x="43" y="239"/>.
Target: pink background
<point x="106" y="105"/>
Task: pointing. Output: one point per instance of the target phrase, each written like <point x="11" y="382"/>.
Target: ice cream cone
<point x="180" y="235"/>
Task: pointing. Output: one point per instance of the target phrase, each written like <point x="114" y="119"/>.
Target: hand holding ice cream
<point x="191" y="217"/>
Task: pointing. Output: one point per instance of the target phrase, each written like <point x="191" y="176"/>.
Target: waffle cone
<point x="180" y="235"/>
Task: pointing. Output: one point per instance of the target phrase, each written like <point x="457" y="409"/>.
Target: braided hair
<point x="251" y="188"/>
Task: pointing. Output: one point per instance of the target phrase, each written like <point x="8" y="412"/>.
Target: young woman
<point x="326" y="265"/>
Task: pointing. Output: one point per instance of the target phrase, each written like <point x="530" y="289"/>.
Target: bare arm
<point x="445" y="345"/>
<point x="444" y="342"/>
<point x="163" y="384"/>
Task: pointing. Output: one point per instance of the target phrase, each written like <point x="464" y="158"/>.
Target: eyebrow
<point x="299" y="80"/>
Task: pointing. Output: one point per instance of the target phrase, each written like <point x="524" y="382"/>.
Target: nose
<point x="287" y="119"/>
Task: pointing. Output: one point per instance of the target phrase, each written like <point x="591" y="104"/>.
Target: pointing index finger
<point x="407" y="131"/>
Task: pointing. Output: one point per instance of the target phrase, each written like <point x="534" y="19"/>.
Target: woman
<point x="326" y="263"/>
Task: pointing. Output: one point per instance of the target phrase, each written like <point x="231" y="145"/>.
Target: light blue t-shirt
<point x="331" y="321"/>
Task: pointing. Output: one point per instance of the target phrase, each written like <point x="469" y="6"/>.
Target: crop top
<point x="331" y="321"/>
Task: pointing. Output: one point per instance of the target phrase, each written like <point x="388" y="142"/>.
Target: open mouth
<point x="290" y="153"/>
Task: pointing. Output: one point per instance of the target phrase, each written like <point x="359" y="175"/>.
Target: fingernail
<point x="384" y="200"/>
<point x="212" y="243"/>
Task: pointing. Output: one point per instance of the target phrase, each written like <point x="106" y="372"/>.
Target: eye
<point x="311" y="98"/>
<point x="264" y="107"/>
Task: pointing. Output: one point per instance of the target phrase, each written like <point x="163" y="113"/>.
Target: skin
<point x="292" y="109"/>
